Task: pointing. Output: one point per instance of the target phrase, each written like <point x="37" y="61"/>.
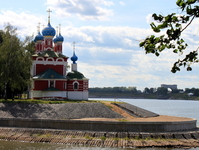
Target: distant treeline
<point x="114" y="90"/>
<point x="159" y="90"/>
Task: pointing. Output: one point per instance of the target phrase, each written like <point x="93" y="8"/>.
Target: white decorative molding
<point x="37" y="59"/>
<point x="59" y="59"/>
<point x="65" y="63"/>
<point x="50" y="58"/>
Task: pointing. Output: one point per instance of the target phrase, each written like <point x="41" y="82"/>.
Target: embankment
<point x="103" y="139"/>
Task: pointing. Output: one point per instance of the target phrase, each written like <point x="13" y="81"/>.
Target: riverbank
<point x="111" y="135"/>
<point x="176" y="96"/>
<point x="102" y="139"/>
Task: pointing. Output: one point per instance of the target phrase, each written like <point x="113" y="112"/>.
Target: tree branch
<point x="188" y="24"/>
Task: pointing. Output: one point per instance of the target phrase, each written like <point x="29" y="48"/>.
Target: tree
<point x="15" y="62"/>
<point x="132" y="89"/>
<point x="146" y="90"/>
<point x="175" y="91"/>
<point x="162" y="91"/>
<point x="174" y="24"/>
<point x="152" y="90"/>
<point x="196" y="92"/>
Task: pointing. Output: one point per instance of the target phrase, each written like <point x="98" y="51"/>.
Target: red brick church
<point x="50" y="77"/>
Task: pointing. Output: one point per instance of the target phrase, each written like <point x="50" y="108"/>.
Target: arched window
<point x="51" y="83"/>
<point x="75" y="86"/>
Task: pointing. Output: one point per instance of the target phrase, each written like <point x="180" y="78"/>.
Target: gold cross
<point x="60" y="28"/>
<point x="38" y="27"/>
<point x="49" y="11"/>
<point x="74" y="46"/>
<point x="52" y="76"/>
<point x="57" y="30"/>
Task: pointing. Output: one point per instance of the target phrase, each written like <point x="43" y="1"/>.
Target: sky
<point x="107" y="35"/>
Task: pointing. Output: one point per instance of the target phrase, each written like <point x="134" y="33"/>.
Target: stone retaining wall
<point x="180" y="140"/>
<point x="110" y="126"/>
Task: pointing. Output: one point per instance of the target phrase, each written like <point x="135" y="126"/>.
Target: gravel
<point x="57" y="111"/>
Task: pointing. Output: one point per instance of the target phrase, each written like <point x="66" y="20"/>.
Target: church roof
<point x="50" y="54"/>
<point x="38" y="37"/>
<point x="49" y="31"/>
<point x="74" y="58"/>
<point x="49" y="74"/>
<point x="75" y="75"/>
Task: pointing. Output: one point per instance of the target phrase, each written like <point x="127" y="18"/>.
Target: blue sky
<point x="107" y="33"/>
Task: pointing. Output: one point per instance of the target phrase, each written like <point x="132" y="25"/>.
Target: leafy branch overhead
<point x="173" y="25"/>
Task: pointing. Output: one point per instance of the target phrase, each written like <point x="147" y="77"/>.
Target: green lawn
<point x="34" y="101"/>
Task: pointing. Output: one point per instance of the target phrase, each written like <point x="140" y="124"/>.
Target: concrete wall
<point x="40" y="94"/>
<point x="99" y="125"/>
<point x="78" y="95"/>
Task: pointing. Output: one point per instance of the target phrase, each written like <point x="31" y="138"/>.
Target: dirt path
<point x="127" y="117"/>
<point x="119" y="110"/>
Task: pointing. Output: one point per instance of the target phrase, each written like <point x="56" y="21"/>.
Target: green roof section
<point x="49" y="74"/>
<point x="50" y="54"/>
<point x="75" y="75"/>
<point x="51" y="89"/>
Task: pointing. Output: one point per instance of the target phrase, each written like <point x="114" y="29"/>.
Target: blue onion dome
<point x="48" y="31"/>
<point x="60" y="38"/>
<point x="55" y="40"/>
<point x="74" y="58"/>
<point x="38" y="37"/>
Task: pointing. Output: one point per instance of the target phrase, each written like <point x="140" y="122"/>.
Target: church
<point x="50" y="76"/>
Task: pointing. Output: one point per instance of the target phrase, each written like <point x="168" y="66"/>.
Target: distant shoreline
<point x="144" y="97"/>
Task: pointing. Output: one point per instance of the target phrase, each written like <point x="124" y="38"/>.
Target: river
<point x="181" y="108"/>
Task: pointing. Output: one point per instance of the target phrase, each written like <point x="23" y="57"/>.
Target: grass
<point x="88" y="137"/>
<point x="116" y="139"/>
<point x="122" y="120"/>
<point x="73" y="136"/>
<point x="103" y="138"/>
<point x="2" y="137"/>
<point x="34" y="101"/>
<point x="109" y="106"/>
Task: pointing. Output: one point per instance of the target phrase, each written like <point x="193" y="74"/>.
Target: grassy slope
<point x="33" y="101"/>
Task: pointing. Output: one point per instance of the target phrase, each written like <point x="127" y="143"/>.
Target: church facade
<point x="50" y="77"/>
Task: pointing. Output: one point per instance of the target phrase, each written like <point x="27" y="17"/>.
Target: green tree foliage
<point x="188" y="90"/>
<point x="175" y="91"/>
<point x="114" y="89"/>
<point x="152" y="90"/>
<point x="15" y="62"/>
<point x="173" y="25"/>
<point x="196" y="92"/>
<point x="162" y="91"/>
<point x="30" y="47"/>
<point x="146" y="90"/>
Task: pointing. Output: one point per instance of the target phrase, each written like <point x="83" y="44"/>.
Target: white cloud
<point x="100" y="36"/>
<point x="122" y="3"/>
<point x="84" y="9"/>
<point x="24" y="22"/>
<point x="149" y="18"/>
